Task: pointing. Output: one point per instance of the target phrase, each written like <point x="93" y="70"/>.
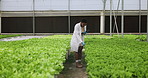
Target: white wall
<point x="51" y="4"/>
<point x="16" y="5"/>
<point x="26" y="5"/>
<point x="86" y="4"/>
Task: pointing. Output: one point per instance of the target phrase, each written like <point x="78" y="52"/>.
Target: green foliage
<point x="5" y="36"/>
<point x="116" y="57"/>
<point x="33" y="58"/>
<point x="141" y="38"/>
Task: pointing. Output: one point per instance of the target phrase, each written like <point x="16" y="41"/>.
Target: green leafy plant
<point x="116" y="57"/>
<point x="33" y="58"/>
<point x="141" y="38"/>
<point x="5" y="36"/>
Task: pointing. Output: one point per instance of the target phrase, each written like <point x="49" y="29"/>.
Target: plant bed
<point x="116" y="57"/>
<point x="32" y="58"/>
<point x="141" y="38"/>
<point x="6" y="36"/>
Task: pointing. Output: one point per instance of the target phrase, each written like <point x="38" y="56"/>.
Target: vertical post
<point x="102" y="21"/>
<point x="122" y="19"/>
<point x="33" y="17"/>
<point x="102" y="24"/>
<point x="110" y="17"/>
<point x="69" y="14"/>
<point x="0" y="17"/>
<point x="147" y="20"/>
<point x="139" y="16"/>
<point x="0" y="24"/>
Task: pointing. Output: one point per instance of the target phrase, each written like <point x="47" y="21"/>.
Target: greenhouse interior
<point x="73" y="38"/>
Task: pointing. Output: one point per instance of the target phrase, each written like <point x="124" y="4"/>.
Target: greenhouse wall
<point x="60" y="24"/>
<point x="52" y="16"/>
<point x="46" y="24"/>
<point x="131" y="24"/>
<point x="27" y="5"/>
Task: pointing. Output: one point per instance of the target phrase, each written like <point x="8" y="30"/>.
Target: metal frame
<point x="115" y="17"/>
<point x="69" y="16"/>
<point x="102" y="21"/>
<point x="147" y="20"/>
<point x="104" y="4"/>
<point x="115" y="25"/>
<point x="111" y="13"/>
<point x="139" y="16"/>
<point x="0" y="17"/>
<point x="111" y="3"/>
<point x="33" y="17"/>
<point x="122" y="19"/>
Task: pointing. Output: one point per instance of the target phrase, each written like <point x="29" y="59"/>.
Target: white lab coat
<point x="77" y="38"/>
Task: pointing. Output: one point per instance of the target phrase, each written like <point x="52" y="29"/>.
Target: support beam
<point x="122" y="19"/>
<point x="139" y="16"/>
<point x="102" y="19"/>
<point x="102" y="23"/>
<point x="111" y="17"/>
<point x="69" y="16"/>
<point x="33" y="17"/>
<point x="147" y="20"/>
<point x="0" y="24"/>
<point x="0" y="17"/>
<point x="115" y="18"/>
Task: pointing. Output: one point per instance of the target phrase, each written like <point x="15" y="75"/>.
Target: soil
<point x="70" y="70"/>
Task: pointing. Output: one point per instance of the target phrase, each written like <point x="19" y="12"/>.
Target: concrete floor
<point x="20" y="38"/>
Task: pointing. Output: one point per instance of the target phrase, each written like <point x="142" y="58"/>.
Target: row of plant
<point x="5" y="36"/>
<point x="141" y="38"/>
<point x="33" y="58"/>
<point x="116" y="57"/>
